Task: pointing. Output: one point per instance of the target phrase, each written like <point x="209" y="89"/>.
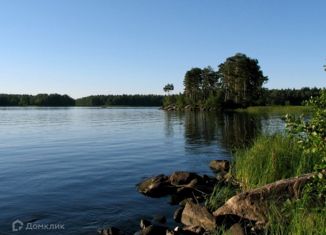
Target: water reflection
<point x="239" y="129"/>
<point x="228" y="130"/>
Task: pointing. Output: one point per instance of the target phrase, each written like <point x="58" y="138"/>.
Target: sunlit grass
<point x="269" y="159"/>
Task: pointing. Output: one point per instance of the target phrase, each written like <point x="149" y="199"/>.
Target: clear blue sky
<point x="81" y="47"/>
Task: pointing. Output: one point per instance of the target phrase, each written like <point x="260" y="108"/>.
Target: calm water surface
<point x="79" y="166"/>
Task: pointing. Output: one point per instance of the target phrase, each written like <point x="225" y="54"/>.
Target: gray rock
<point x="183" y="177"/>
<point x="253" y="204"/>
<point x="196" y="215"/>
<point x="219" y="165"/>
<point x="156" y="186"/>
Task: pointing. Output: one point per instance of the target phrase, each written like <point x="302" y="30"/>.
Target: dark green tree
<point x="168" y="87"/>
<point x="209" y="82"/>
<point x="192" y="83"/>
<point x="241" y="79"/>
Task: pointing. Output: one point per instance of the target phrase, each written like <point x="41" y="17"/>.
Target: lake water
<point x="79" y="166"/>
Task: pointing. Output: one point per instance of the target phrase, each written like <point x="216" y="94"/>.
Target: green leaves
<point x="311" y="137"/>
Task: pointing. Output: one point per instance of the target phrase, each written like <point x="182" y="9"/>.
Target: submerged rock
<point x="196" y="215"/>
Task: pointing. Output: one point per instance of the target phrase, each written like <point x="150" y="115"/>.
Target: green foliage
<point x="121" y="100"/>
<point x="289" y="96"/>
<point x="310" y="136"/>
<point x="237" y="83"/>
<point x="38" y="100"/>
<point x="168" y="87"/>
<point x="200" y="84"/>
<point x="241" y="79"/>
<point x="269" y="159"/>
<point x="220" y="195"/>
<point x="297" y="217"/>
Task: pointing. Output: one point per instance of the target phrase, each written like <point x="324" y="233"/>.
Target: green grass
<point x="269" y="159"/>
<point x="297" y="217"/>
<point x="220" y="195"/>
<point x="287" y="109"/>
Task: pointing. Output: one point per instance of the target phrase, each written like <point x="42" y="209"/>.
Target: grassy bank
<point x="271" y="158"/>
<point x="287" y="109"/>
<point x="299" y="150"/>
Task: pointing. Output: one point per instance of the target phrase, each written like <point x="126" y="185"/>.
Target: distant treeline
<point x="65" y="100"/>
<point x="120" y="100"/>
<point x="268" y="97"/>
<point x="288" y="96"/>
<point x="36" y="100"/>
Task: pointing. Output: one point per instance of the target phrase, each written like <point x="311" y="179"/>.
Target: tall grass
<point x="297" y="217"/>
<point x="220" y="195"/>
<point x="271" y="158"/>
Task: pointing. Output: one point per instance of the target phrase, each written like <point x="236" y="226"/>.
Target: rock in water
<point x="156" y="186"/>
<point x="219" y="165"/>
<point x="183" y="177"/>
<point x="196" y="215"/>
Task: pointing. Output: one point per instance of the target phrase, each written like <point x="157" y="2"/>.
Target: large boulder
<point x="253" y="204"/>
<point x="156" y="186"/>
<point x="220" y="165"/>
<point x="196" y="215"/>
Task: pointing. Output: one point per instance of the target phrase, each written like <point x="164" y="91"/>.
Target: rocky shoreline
<point x="243" y="213"/>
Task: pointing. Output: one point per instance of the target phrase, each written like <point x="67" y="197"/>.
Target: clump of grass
<point x="269" y="159"/>
<point x="299" y="217"/>
<point x="221" y="193"/>
<point x="286" y="109"/>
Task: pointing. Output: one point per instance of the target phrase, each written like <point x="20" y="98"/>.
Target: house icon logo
<point x="17" y="225"/>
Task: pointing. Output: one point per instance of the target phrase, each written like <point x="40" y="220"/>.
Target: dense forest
<point x="37" y="100"/>
<point x="237" y="82"/>
<point x="121" y="100"/>
<point x="65" y="100"/>
<point x="268" y="97"/>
